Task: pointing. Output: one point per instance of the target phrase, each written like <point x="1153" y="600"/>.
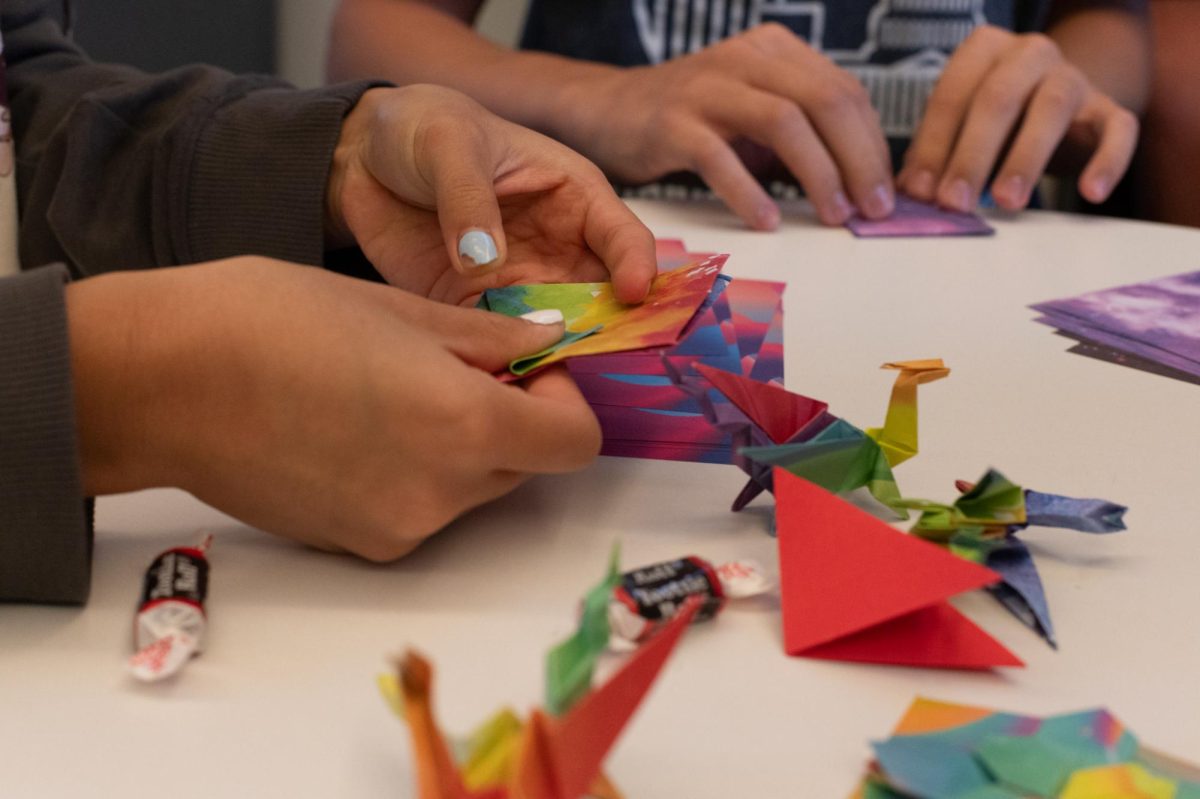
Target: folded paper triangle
<point x="780" y="413"/>
<point x="854" y="588"/>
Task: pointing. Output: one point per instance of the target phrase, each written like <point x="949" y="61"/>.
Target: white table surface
<point x="284" y="703"/>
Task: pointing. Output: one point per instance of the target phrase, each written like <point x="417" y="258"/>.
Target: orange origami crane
<point x="546" y="758"/>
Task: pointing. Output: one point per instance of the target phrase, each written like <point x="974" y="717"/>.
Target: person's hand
<point x="766" y="86"/>
<point x="446" y="200"/>
<point x="1001" y="92"/>
<point x="341" y="413"/>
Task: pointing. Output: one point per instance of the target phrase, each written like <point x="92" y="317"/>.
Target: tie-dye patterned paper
<point x="641" y="411"/>
<point x="597" y="323"/>
<point x="913" y="218"/>
<point x="1158" y="320"/>
<point x="941" y="750"/>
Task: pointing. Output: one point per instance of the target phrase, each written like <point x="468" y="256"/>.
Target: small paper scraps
<point x="913" y="218"/>
<point x="942" y="750"/>
<point x="1153" y="326"/>
<point x="596" y="322"/>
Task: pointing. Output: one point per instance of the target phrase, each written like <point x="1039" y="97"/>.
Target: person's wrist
<point x="114" y="321"/>
<point x="572" y="108"/>
<point x="355" y="129"/>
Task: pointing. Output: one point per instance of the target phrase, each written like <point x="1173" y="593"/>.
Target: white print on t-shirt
<point x="904" y="47"/>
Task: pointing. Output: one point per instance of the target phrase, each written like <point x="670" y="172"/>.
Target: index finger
<point x="838" y="108"/>
<point x="622" y="242"/>
<point x="548" y="428"/>
<point x="946" y="111"/>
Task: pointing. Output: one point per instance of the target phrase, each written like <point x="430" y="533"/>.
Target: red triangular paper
<point x="779" y="412"/>
<point x="855" y="588"/>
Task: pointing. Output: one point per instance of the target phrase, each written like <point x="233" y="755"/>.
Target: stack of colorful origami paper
<point x="641" y="411"/>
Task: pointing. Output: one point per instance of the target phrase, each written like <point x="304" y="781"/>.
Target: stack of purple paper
<point x="643" y="414"/>
<point x="1154" y="326"/>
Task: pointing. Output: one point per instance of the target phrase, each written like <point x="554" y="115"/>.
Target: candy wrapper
<point x="170" y="623"/>
<point x="646" y="598"/>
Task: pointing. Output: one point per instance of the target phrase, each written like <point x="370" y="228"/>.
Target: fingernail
<point x="546" y="316"/>
<point x="1098" y="188"/>
<point x="1011" y="191"/>
<point x="477" y="248"/>
<point x="767" y="217"/>
<point x="880" y="202"/>
<point x="922" y="185"/>
<point x="958" y="196"/>
<point x="842" y="209"/>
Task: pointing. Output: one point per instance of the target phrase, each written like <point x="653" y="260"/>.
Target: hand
<point x="447" y="200"/>
<point x="1000" y="87"/>
<point x="340" y="413"/>
<point x="765" y="85"/>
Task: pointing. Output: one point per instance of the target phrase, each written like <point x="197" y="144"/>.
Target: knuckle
<point x="674" y="121"/>
<point x="705" y="152"/>
<point x="1039" y="45"/>
<point x="1126" y="121"/>
<point x="856" y="91"/>
<point x="999" y="100"/>
<point x="773" y="32"/>
<point x="1060" y="96"/>
<point x="989" y="35"/>
<point x="590" y="440"/>
<point x="831" y="98"/>
<point x="781" y="115"/>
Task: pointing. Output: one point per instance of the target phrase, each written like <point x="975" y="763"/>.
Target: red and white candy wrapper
<point x="651" y="595"/>
<point x="169" y="626"/>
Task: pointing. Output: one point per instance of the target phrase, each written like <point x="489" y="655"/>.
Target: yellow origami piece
<point x="1119" y="781"/>
<point x="898" y="436"/>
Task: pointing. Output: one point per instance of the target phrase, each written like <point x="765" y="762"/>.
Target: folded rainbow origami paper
<point x="854" y="588"/>
<point x="596" y="322"/>
<point x="982" y="526"/>
<point x="543" y="758"/>
<point x="942" y="750"/>
<point x="642" y="413"/>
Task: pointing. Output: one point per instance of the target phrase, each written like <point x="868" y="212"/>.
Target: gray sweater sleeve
<point x="119" y="170"/>
<point x="45" y="529"/>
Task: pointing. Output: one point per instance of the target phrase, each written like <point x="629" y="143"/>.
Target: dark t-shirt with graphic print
<point x="897" y="48"/>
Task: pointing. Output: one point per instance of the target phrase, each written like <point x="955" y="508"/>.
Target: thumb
<point x="467" y="209"/>
<point x="491" y="341"/>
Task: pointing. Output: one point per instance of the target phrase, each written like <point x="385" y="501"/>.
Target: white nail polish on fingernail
<point x="477" y="248"/>
<point x="546" y="316"/>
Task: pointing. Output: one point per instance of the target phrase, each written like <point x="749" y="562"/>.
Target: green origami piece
<point x="571" y="664"/>
<point x="840" y="458"/>
<point x="994" y="501"/>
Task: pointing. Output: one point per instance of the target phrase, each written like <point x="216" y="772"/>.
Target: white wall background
<point x="302" y="34"/>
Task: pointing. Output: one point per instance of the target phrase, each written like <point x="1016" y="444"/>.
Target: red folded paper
<point x="854" y="588"/>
